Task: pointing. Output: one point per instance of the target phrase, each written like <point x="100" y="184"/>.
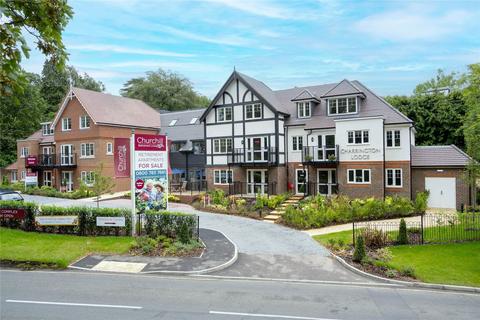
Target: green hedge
<point x="170" y="224"/>
<point x="27" y="224"/>
<point x="46" y="191"/>
<point x="87" y="220"/>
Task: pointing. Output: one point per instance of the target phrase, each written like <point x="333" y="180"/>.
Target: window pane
<point x="352" y="105"/>
<point x="389" y="177"/>
<point x="323" y="189"/>
<point x="258" y="111"/>
<point x="342" y="105"/>
<point x="333" y="176"/>
<point x="358" y="175"/>
<point x="228" y="113"/>
<point x="366" y="176"/>
<point x="300" y="143"/>
<point x="351" y="175"/>
<point x="358" y="137"/>
<point x="229" y="145"/>
<point x="220" y="115"/>
<point x="217" y="177"/>
<point x="365" y="136"/>
<point x="307" y="109"/>
<point x="249" y="112"/>
<point x="330" y="141"/>
<point x="398" y="177"/>
<point x="389" y="139"/>
<point x="333" y="106"/>
<point x="323" y="176"/>
<point x="350" y="137"/>
<point x="397" y="138"/>
<point x="294" y="143"/>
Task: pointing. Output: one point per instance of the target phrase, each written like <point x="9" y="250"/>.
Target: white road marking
<point x="261" y="315"/>
<point x="75" y="304"/>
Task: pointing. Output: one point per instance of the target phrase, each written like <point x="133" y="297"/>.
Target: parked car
<point x="10" y="195"/>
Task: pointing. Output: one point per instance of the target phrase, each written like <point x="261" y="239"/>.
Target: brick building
<point x="80" y="138"/>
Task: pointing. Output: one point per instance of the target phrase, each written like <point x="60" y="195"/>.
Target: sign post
<point x="132" y="184"/>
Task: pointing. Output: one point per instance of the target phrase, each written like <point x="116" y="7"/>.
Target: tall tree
<point x="453" y="81"/>
<point x="45" y="21"/>
<point x="20" y="117"/>
<point x="56" y="83"/>
<point x="164" y="90"/>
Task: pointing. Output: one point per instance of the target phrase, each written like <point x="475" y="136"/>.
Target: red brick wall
<point x="405" y="190"/>
<point x="374" y="189"/>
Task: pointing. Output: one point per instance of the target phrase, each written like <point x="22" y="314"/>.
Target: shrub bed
<point x="46" y="191"/>
<point x="319" y="211"/>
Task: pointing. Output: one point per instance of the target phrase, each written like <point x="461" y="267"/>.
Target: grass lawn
<point x="455" y="263"/>
<point x="60" y="250"/>
<point x="346" y="236"/>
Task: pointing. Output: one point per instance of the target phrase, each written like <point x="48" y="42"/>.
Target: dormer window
<point x="342" y="106"/>
<point x="47" y="129"/>
<point x="253" y="111"/>
<point x="304" y="109"/>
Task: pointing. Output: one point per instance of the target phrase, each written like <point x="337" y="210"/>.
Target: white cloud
<point x="169" y="65"/>
<point x="413" y="23"/>
<point x="230" y="40"/>
<point x="257" y="7"/>
<point x="121" y="49"/>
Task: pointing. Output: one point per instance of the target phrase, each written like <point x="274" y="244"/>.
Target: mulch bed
<point x="28" y="265"/>
<point x="248" y="214"/>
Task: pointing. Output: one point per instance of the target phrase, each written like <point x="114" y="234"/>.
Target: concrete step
<point x="269" y="221"/>
<point x="271" y="217"/>
<point x="296" y="198"/>
<point x="278" y="212"/>
<point x="291" y="201"/>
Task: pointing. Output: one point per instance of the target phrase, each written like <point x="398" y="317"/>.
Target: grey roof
<point x="305" y="95"/>
<point x="183" y="130"/>
<point x="344" y="87"/>
<point x="439" y="156"/>
<point x="283" y="101"/>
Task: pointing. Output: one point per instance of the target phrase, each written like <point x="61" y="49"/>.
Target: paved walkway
<point x="348" y="226"/>
<point x="265" y="249"/>
<point x="220" y="253"/>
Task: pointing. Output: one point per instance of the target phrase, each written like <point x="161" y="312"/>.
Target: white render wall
<point x="401" y="153"/>
<point x="373" y="151"/>
<point x="295" y="156"/>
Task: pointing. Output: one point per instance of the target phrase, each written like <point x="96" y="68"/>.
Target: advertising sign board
<point x="111" y="221"/>
<point x="150" y="167"/>
<point x="57" y="220"/>
<point x="31" y="160"/>
<point x="31" y="179"/>
<point x="12" y="213"/>
<point x="122" y="157"/>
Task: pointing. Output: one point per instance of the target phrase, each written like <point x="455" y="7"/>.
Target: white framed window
<point x="297" y="143"/>
<point x="358" y="137"/>
<point x="193" y="120"/>
<point x="84" y="122"/>
<point x="393" y="138"/>
<point x="304" y="110"/>
<point x="24" y="152"/>
<point x="47" y="130"/>
<point x="342" y="105"/>
<point x="66" y="124"/>
<point x="172" y="123"/>
<point x="253" y="111"/>
<point x="109" y="148"/>
<point x="394" y="178"/>
<point x="222" y="145"/>
<point x="359" y="176"/>
<point x="22" y="175"/>
<point x="13" y="176"/>
<point x="224" y="114"/>
<point x="87" y="150"/>
<point x="88" y="177"/>
<point x="222" y="176"/>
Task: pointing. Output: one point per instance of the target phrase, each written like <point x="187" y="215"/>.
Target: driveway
<point x="266" y="250"/>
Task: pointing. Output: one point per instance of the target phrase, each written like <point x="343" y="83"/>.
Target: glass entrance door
<point x="67" y="180"/>
<point x="327" y="182"/>
<point x="257" y="181"/>
<point x="301" y="178"/>
<point x="257" y="149"/>
<point x="47" y="178"/>
<point x="47" y="156"/>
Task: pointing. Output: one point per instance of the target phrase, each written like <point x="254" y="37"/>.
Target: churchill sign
<point x="122" y="157"/>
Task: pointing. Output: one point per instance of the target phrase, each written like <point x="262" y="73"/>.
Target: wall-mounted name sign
<point x="12" y="213"/>
<point x="111" y="221"/>
<point x="57" y="220"/>
<point x="359" y="153"/>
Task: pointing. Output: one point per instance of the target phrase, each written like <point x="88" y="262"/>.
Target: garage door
<point x="442" y="192"/>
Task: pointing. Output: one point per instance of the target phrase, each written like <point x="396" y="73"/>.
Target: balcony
<point x="320" y="155"/>
<point x="51" y="161"/>
<point x="253" y="157"/>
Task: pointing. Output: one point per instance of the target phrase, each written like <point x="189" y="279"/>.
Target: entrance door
<point x="67" y="154"/>
<point x="327" y="181"/>
<point x="67" y="180"/>
<point x="47" y="178"/>
<point x="257" y="149"/>
<point x="257" y="181"/>
<point x="326" y="147"/>
<point x="301" y="179"/>
<point x="442" y="192"/>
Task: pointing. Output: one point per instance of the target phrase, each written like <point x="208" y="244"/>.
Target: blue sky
<point x="390" y="46"/>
